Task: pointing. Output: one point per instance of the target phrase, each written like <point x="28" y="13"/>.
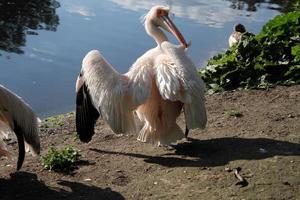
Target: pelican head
<point x="239" y="28"/>
<point x="158" y="17"/>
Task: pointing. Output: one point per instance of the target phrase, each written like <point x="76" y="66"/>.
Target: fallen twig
<point x="242" y="181"/>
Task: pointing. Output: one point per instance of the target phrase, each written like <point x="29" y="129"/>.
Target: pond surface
<point x="42" y="42"/>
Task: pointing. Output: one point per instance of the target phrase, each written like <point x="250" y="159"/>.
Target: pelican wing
<point x="21" y="143"/>
<point x="177" y="80"/>
<point x="19" y="116"/>
<point x="139" y="82"/>
<point x="5" y="132"/>
<point x="112" y="95"/>
<point x="86" y="114"/>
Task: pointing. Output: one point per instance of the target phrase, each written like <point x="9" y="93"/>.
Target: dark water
<point x="42" y="42"/>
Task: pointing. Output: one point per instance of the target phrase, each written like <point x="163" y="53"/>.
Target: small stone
<point x="286" y="183"/>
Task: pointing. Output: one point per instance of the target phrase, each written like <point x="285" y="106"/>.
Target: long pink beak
<point x="174" y="30"/>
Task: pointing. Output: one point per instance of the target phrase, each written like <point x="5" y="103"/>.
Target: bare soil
<point x="261" y="137"/>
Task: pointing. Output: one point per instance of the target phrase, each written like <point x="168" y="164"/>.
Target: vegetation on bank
<point x="60" y="160"/>
<point x="270" y="58"/>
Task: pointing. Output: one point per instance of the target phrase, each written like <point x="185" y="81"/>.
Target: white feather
<point x="14" y="109"/>
<point x="182" y="83"/>
<point x="115" y="95"/>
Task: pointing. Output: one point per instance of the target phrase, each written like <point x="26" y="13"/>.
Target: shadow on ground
<point x="26" y="186"/>
<point x="71" y="170"/>
<point x="216" y="152"/>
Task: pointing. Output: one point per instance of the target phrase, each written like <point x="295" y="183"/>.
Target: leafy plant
<point x="60" y="160"/>
<point x="234" y="113"/>
<point x="270" y="58"/>
<point x="54" y="122"/>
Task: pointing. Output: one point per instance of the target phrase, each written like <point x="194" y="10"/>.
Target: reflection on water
<point x="253" y="5"/>
<point x="43" y="69"/>
<point x="213" y="13"/>
<point x="19" y="18"/>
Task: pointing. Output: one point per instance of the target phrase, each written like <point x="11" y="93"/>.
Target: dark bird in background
<point x="236" y="35"/>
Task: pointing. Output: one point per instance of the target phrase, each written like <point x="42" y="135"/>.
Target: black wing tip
<point x="84" y="127"/>
<point x="186" y="133"/>
<point x="85" y="139"/>
<point x="19" y="164"/>
<point x="86" y="115"/>
<point x="21" y="145"/>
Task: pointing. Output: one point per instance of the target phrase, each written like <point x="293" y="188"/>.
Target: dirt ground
<point x="264" y="143"/>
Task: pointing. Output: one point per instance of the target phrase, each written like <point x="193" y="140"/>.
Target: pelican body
<point x="17" y="117"/>
<point x="236" y="35"/>
<point x="160" y="83"/>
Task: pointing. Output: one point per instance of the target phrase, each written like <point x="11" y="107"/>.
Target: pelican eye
<point x="162" y="13"/>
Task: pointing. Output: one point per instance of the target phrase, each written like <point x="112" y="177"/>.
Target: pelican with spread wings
<point x="159" y="85"/>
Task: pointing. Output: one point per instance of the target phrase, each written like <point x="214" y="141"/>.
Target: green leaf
<point x="60" y="160"/>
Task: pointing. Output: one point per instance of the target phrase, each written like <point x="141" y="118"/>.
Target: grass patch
<point x="61" y="160"/>
<point x="56" y="121"/>
<point x="234" y="113"/>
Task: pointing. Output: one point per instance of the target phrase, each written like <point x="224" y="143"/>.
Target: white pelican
<point x="158" y="85"/>
<point x="236" y="35"/>
<point x="17" y="116"/>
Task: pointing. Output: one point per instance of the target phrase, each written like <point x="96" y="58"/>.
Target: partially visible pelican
<point x="236" y="35"/>
<point x="16" y="116"/>
<point x="158" y="86"/>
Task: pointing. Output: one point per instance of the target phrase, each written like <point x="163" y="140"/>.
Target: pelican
<point x="236" y="35"/>
<point x="159" y="85"/>
<point x="17" y="117"/>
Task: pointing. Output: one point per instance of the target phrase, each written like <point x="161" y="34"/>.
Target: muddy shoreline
<point x="263" y="140"/>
